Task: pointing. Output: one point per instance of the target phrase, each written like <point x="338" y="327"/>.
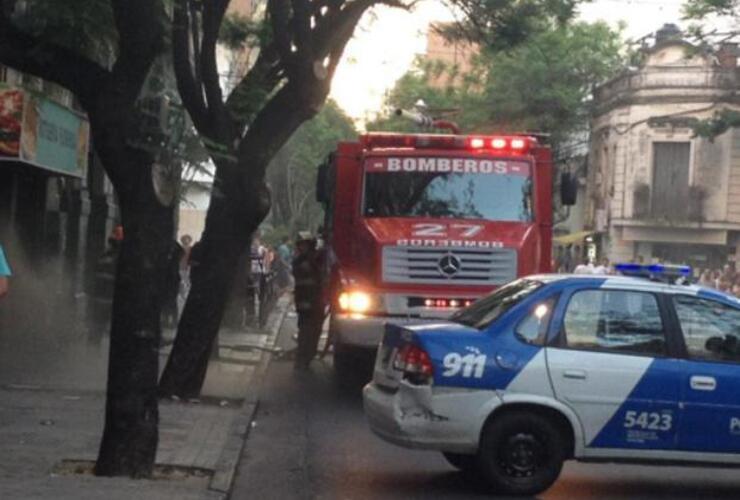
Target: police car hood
<point x="433" y="232"/>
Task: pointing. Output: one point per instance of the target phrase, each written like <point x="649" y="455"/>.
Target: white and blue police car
<point x="553" y="367"/>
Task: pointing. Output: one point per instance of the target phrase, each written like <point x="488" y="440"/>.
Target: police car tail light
<point x="414" y="362"/>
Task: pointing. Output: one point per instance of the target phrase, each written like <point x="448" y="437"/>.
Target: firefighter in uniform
<point x="309" y="303"/>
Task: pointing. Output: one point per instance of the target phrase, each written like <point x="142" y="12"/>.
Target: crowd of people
<point x="569" y="260"/>
<point x="725" y="280"/>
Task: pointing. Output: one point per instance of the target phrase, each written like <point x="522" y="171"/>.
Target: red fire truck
<point x="419" y="225"/>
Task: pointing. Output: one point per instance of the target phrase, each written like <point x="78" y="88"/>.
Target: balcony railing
<point x="655" y="78"/>
<point x="680" y="209"/>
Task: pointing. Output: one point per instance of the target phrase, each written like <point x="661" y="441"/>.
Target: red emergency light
<point x="499" y="144"/>
<point x="443" y="303"/>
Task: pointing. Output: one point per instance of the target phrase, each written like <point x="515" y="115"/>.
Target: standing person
<point x="5" y="274"/>
<point x="256" y="266"/>
<point x="603" y="268"/>
<point x="171" y="285"/>
<point x="558" y="259"/>
<point x="309" y="304"/>
<point x="182" y="296"/>
<point x="567" y="264"/>
<point x="283" y="258"/>
<point x="585" y="267"/>
<point x="705" y="279"/>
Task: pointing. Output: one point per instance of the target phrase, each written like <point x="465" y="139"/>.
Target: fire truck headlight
<point x="355" y="302"/>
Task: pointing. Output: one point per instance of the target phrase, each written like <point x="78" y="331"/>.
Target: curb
<point x="223" y="475"/>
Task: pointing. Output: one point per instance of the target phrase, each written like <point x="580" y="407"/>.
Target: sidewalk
<point x="46" y="432"/>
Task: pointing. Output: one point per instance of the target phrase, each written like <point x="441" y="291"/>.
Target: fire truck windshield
<point x="496" y="190"/>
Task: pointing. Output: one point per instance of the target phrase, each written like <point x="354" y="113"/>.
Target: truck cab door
<point x="609" y="362"/>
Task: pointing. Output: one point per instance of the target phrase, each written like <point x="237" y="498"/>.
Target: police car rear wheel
<point x="521" y="453"/>
<point x="461" y="461"/>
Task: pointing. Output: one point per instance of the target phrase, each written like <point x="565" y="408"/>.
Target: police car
<point x="549" y="368"/>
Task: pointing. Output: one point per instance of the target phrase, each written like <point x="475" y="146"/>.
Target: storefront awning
<point x="569" y="239"/>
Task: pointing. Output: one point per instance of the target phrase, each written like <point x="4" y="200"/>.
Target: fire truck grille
<point x="458" y="266"/>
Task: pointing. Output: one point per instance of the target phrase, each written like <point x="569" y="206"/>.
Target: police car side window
<point x="710" y="329"/>
<point x="533" y="328"/>
<point x="621" y="321"/>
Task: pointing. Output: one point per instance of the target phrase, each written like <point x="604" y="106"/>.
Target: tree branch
<point x="250" y="93"/>
<point x="190" y="92"/>
<point x="302" y="28"/>
<point x="213" y="15"/>
<point x="338" y="25"/>
<point x="140" y="34"/>
<point x="279" y="13"/>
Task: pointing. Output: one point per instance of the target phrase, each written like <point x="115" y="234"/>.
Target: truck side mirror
<point x="568" y="189"/>
<point x="321" y="194"/>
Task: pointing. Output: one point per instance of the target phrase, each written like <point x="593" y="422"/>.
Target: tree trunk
<point x="240" y="201"/>
<point x="232" y="219"/>
<point x="130" y="436"/>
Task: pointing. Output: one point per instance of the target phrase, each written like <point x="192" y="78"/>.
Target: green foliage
<point x="717" y="125"/>
<point x="542" y="85"/>
<point x="545" y="84"/>
<point x="700" y="9"/>
<point x="503" y="24"/>
<point x="292" y="172"/>
<point x="85" y="26"/>
<point x="273" y="235"/>
<point x="241" y="32"/>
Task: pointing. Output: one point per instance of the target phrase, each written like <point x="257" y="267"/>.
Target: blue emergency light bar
<point x="656" y="272"/>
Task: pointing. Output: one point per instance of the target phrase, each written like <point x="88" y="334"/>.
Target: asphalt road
<point x="310" y="441"/>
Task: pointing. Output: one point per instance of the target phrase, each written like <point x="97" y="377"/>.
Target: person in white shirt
<point x="586" y="267"/>
<point x="603" y="267"/>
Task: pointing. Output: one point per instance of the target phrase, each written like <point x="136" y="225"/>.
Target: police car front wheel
<point x="521" y="453"/>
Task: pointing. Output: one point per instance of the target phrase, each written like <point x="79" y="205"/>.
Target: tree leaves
<point x="543" y="84"/>
<point x="503" y="24"/>
<point x="292" y="172"/>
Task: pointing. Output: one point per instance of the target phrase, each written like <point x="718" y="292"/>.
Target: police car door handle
<point x="575" y="374"/>
<point x="703" y="383"/>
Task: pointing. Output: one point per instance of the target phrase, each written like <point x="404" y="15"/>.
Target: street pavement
<point x="51" y="421"/>
<point x="310" y="441"/>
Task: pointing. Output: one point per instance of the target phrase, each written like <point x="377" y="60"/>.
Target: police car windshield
<point x="445" y="187"/>
<point x="486" y="310"/>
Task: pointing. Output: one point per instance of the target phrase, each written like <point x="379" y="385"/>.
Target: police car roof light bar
<point x="655" y="272"/>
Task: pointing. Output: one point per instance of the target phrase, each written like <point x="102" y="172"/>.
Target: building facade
<point x="455" y="56"/>
<point x="655" y="191"/>
<point x="56" y="204"/>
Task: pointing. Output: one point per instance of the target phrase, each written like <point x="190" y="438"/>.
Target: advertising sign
<point x="11" y="116"/>
<point x="38" y="131"/>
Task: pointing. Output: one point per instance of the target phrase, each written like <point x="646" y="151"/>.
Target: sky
<point x="387" y="40"/>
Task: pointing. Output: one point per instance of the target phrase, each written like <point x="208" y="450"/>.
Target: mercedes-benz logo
<point x="449" y="265"/>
